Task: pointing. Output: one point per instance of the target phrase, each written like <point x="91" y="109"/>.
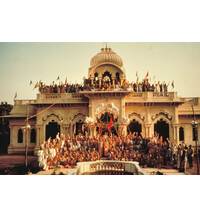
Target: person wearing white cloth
<point x="42" y="159"/>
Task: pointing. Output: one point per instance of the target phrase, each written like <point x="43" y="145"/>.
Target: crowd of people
<point x="66" y="151"/>
<point x="105" y="85"/>
<point x="142" y="86"/>
<point x="60" y="88"/>
<point x="154" y="152"/>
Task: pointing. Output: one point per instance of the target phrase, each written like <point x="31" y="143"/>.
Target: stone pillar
<point x="38" y="139"/>
<point x="123" y="129"/>
<point x="114" y="80"/>
<point x="173" y="134"/>
<point x="92" y="131"/>
<point x="71" y="130"/>
<point x="89" y="131"/>
<point x="177" y="134"/>
<point x="13" y="139"/>
<point x="175" y="128"/>
<point x="92" y="80"/>
<point x="100" y="82"/>
<point x="74" y="129"/>
<point x="147" y="130"/>
<point x="122" y="78"/>
<point x="66" y="129"/>
<point x="122" y="108"/>
<point x="42" y="133"/>
<point x="95" y="131"/>
<point x="63" y="129"/>
<point x="38" y="135"/>
<point x="90" y="109"/>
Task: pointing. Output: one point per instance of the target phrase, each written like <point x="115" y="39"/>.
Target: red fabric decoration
<point x="110" y="124"/>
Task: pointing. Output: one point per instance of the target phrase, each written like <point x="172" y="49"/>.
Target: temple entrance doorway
<point x="52" y="129"/>
<point x="107" y="80"/>
<point x="107" y="76"/>
<point x="161" y="127"/>
<point x="134" y="127"/>
<point x="79" y="128"/>
<point x="106" y="124"/>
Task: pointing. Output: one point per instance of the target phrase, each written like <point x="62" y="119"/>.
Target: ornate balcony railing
<point x="24" y="102"/>
<point x="47" y="97"/>
<point x="95" y="167"/>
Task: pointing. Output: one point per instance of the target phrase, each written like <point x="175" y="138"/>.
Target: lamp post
<point x="195" y="128"/>
<point x="26" y="128"/>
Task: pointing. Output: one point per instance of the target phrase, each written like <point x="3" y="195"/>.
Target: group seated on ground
<point x="66" y="151"/>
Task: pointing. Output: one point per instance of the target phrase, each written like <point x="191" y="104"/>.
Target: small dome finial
<point x="106" y="55"/>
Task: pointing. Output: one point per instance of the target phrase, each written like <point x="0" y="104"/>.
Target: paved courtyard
<point x="10" y="161"/>
<point x="151" y="171"/>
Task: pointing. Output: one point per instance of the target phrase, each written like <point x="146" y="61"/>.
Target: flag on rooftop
<point x="147" y="75"/>
<point x="36" y="85"/>
<point x="15" y="95"/>
<point x="173" y="84"/>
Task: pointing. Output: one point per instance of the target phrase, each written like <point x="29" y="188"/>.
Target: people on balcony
<point x="106" y="84"/>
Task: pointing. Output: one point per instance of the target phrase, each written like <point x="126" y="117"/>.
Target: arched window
<point x="52" y="129"/>
<point x="161" y="127"/>
<point x="96" y="74"/>
<point x="134" y="126"/>
<point x="20" y="136"/>
<point x="194" y="134"/>
<point x="107" y="75"/>
<point x="117" y="77"/>
<point x="181" y="134"/>
<point x="79" y="127"/>
<point x="33" y="135"/>
<point x="96" y="80"/>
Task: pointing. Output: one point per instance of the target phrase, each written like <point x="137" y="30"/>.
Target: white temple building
<point x="91" y="110"/>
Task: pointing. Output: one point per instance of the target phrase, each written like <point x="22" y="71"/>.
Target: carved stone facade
<point x="66" y="112"/>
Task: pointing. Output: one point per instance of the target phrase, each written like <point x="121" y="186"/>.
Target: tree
<point x="5" y="109"/>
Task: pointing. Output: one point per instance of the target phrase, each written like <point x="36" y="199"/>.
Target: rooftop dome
<point x="106" y="56"/>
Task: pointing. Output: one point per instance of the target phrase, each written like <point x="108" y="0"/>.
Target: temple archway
<point x="106" y="124"/>
<point x="52" y="125"/>
<point x="117" y="77"/>
<point x="107" y="77"/>
<point x="181" y="134"/>
<point x="52" y="129"/>
<point x="77" y="125"/>
<point x="106" y="117"/>
<point x="161" y="127"/>
<point x="33" y="135"/>
<point x="134" y="126"/>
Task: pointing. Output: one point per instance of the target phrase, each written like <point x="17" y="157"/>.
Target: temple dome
<point x="106" y="56"/>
